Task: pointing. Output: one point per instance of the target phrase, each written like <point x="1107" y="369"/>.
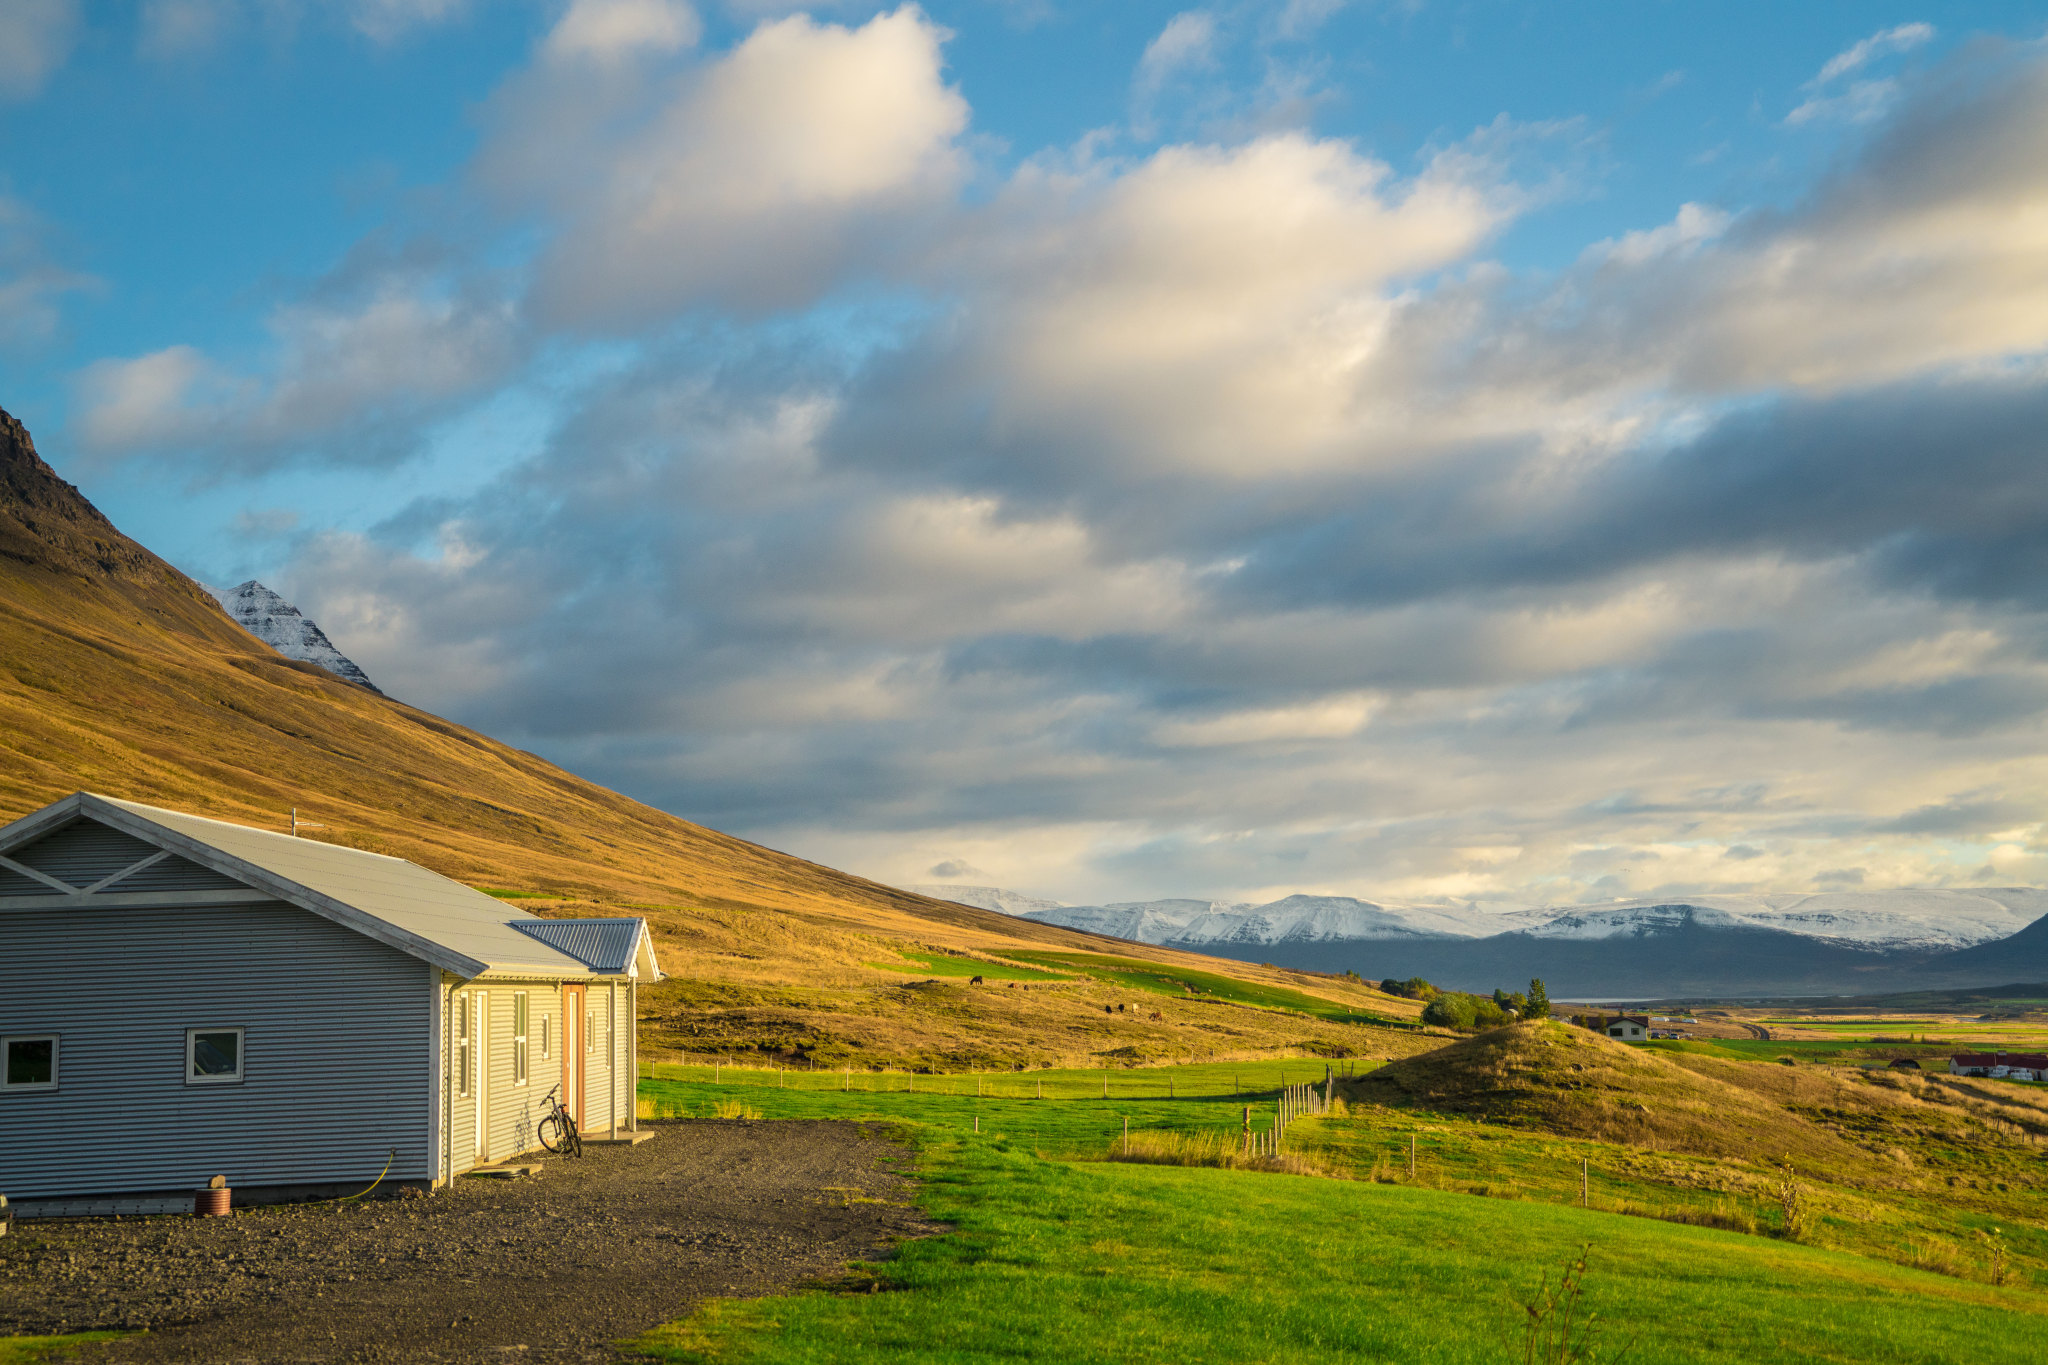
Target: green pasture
<point x="23" y="1350"/>
<point x="907" y="1095"/>
<point x="1063" y="1260"/>
<point x="940" y="964"/>
<point x="1157" y="978"/>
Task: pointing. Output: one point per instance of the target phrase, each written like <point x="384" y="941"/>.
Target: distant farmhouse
<point x="1630" y="1028"/>
<point x="2014" y="1066"/>
<point x="182" y="998"/>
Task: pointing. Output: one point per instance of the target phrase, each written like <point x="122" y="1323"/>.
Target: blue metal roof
<point x="607" y="946"/>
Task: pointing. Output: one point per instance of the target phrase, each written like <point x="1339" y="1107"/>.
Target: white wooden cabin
<point x="182" y="998"/>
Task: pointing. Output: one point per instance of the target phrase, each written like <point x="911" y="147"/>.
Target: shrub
<point x="1451" y="1010"/>
<point x="1414" y="988"/>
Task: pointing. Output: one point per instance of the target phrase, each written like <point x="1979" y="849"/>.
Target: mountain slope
<point x="118" y="674"/>
<point x="284" y="628"/>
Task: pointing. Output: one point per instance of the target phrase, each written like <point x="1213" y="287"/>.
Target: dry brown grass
<point x="118" y="675"/>
<point x="1218" y="1150"/>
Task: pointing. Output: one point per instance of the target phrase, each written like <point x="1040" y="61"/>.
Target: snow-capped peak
<point x="278" y="623"/>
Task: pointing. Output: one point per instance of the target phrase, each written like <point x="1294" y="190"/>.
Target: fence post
<point x="1127" y="1135"/>
<point x="1247" y="1130"/>
<point x="1583" y="1165"/>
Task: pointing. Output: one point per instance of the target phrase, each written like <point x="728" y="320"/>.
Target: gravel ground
<point x="559" y="1267"/>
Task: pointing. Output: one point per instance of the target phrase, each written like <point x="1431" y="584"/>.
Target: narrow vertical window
<point x="462" y="1044"/>
<point x="590" y="1030"/>
<point x="519" y="1037"/>
<point x="544" y="1038"/>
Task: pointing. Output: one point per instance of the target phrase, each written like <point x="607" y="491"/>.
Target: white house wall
<point x="335" y="1076"/>
<point x="514" y="1110"/>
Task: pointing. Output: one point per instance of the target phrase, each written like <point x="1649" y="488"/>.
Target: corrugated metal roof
<point x="389" y="899"/>
<point x="608" y="946"/>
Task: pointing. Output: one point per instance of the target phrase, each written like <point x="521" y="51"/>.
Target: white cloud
<point x="347" y="382"/>
<point x="1864" y="101"/>
<point x="1219" y="519"/>
<point x="1903" y="38"/>
<point x="607" y="30"/>
<point x="32" y="283"/>
<point x="35" y="40"/>
<point x="1332" y="718"/>
<point x="806" y="151"/>
<point x="1187" y="43"/>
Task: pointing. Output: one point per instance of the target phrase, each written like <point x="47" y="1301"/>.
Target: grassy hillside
<point x="119" y="675"/>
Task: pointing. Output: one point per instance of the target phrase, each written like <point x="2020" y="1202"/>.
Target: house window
<point x="31" y="1062"/>
<point x="462" y="1044"/>
<point x="590" y="1030"/>
<point x="213" y="1056"/>
<point x="543" y="1037"/>
<point x="519" y="1037"/>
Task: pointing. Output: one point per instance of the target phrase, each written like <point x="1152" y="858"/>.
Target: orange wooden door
<point x="573" y="1044"/>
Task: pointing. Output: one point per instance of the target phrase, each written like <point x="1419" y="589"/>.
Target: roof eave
<point x="327" y="907"/>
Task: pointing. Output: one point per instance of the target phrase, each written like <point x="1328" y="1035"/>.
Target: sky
<point x="1421" y="451"/>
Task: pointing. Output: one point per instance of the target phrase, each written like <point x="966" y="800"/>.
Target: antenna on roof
<point x="298" y="824"/>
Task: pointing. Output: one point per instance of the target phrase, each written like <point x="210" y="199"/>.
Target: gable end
<point x="82" y="853"/>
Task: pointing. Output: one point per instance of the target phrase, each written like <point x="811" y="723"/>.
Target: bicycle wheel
<point x="575" y="1139"/>
<point x="552" y="1135"/>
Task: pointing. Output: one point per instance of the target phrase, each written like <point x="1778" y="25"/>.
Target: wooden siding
<point x="337" y="1053"/>
<point x="515" y="1110"/>
<point x="83" y="852"/>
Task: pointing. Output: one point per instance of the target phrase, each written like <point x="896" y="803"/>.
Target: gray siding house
<point x="182" y="998"/>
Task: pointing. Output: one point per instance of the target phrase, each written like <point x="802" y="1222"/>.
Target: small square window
<point x="31" y="1062"/>
<point x="213" y="1056"/>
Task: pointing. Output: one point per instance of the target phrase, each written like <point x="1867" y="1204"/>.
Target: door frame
<point x="480" y="1047"/>
<point x="574" y="1043"/>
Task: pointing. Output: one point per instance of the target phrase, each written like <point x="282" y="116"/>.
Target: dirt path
<point x="556" y="1268"/>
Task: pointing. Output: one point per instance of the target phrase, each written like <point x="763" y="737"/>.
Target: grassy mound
<point x="1575" y="1083"/>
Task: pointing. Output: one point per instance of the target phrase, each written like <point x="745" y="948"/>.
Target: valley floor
<point x="1039" y="1235"/>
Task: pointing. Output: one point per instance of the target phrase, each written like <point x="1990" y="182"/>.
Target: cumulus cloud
<point x="609" y="30"/>
<point x="353" y="381"/>
<point x="808" y="150"/>
<point x="1216" y="520"/>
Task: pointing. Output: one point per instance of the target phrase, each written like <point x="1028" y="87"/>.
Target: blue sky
<point x="1421" y="450"/>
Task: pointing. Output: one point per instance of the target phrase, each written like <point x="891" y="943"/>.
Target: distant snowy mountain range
<point x="1832" y="940"/>
<point x="1884" y="920"/>
<point x="277" y="623"/>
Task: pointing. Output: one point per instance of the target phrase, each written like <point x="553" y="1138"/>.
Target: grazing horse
<point x="975" y="982"/>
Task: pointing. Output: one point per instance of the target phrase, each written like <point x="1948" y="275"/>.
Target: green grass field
<point x="23" y="1350"/>
<point x="1158" y="979"/>
<point x="1060" y="1259"/>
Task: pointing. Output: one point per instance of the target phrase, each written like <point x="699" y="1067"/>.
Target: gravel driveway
<point x="559" y="1267"/>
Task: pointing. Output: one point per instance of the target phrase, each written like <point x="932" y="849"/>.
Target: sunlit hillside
<point x="119" y="675"/>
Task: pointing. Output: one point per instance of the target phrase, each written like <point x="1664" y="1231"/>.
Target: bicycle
<point x="558" y="1128"/>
